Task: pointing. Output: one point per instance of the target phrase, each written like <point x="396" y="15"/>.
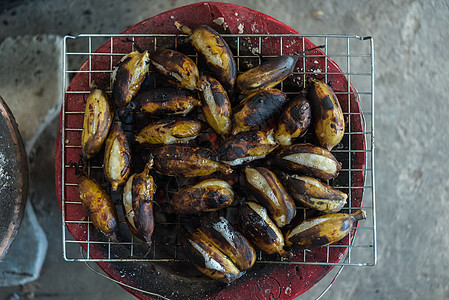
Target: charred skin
<point x="309" y="160"/>
<point x="315" y="194"/>
<point x="162" y="101"/>
<point x="257" y="109"/>
<point x="266" y="75"/>
<point x="260" y="229"/>
<point x="323" y="230"/>
<point x="228" y="240"/>
<point x="128" y="76"/>
<point x="216" y="106"/>
<point x="138" y="196"/>
<point x="178" y="160"/>
<point x="169" y="131"/>
<point x="327" y="114"/>
<point x="246" y="146"/>
<point x="98" y="118"/>
<point x="208" y="259"/>
<point x="179" y="69"/>
<point x="98" y="205"/>
<point x="270" y="192"/>
<point x="117" y="157"/>
<point x="294" y="121"/>
<point x="206" y="196"/>
<point x="214" y="51"/>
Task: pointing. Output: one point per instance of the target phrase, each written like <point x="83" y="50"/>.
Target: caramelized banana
<point x="260" y="229"/>
<point x="128" y="76"/>
<point x="270" y="192"/>
<point x="323" y="230"/>
<point x="208" y="259"/>
<point x="214" y="50"/>
<point x="162" y="101"/>
<point x="294" y="121"/>
<point x="169" y="131"/>
<point x="308" y="159"/>
<point x="138" y="195"/>
<point x="208" y="195"/>
<point x="266" y="75"/>
<point x="179" y="69"/>
<point x="315" y="194"/>
<point x="216" y="106"/>
<point x="327" y="114"/>
<point x="174" y="160"/>
<point x="117" y="157"/>
<point x="228" y="240"/>
<point x="98" y="118"/>
<point x="257" y="109"/>
<point x="246" y="146"/>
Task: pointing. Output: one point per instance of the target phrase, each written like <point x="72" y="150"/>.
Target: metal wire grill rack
<point x="346" y="61"/>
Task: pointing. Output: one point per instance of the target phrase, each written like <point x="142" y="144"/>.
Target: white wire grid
<point x="355" y="57"/>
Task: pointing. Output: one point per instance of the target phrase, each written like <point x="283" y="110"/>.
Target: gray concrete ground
<point x="410" y="117"/>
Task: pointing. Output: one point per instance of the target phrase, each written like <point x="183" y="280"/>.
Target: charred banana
<point x="169" y="131"/>
<point x="323" y="230"/>
<point x="128" y="76"/>
<point x="270" y="192"/>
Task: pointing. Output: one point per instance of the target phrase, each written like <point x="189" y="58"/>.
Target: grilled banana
<point x="216" y="106"/>
<point x="315" y="194"/>
<point x="138" y="195"/>
<point x="308" y="159"/>
<point x="246" y="146"/>
<point x="257" y="109"/>
<point x="294" y="121"/>
<point x="208" y="259"/>
<point x="327" y="114"/>
<point x="214" y="50"/>
<point x="228" y="240"/>
<point x="179" y="69"/>
<point x="98" y="205"/>
<point x="98" y="118"/>
<point x="174" y="160"/>
<point x="266" y="75"/>
<point x="323" y="230"/>
<point x="117" y="157"/>
<point x="169" y="131"/>
<point x="128" y="76"/>
<point x="270" y="192"/>
<point x="260" y="229"/>
<point x="208" y="195"/>
<point x="162" y="101"/>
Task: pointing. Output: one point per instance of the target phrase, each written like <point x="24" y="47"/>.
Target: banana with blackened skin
<point x="162" y="101"/>
<point x="323" y="230"/>
<point x="208" y="195"/>
<point x="266" y="75"/>
<point x="179" y="69"/>
<point x="257" y="109"/>
<point x="178" y="160"/>
<point x="97" y="122"/>
<point x="246" y="146"/>
<point x="260" y="230"/>
<point x="138" y="195"/>
<point x="294" y="121"/>
<point x="208" y="259"/>
<point x="117" y="157"/>
<point x="169" y="131"/>
<point x="308" y="159"/>
<point x="270" y="192"/>
<point x="327" y="114"/>
<point x="315" y="194"/>
<point x="216" y="106"/>
<point x="128" y="75"/>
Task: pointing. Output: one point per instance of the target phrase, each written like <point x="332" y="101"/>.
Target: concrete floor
<point x="410" y="118"/>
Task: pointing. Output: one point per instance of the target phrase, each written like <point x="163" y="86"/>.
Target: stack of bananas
<point x="251" y="153"/>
